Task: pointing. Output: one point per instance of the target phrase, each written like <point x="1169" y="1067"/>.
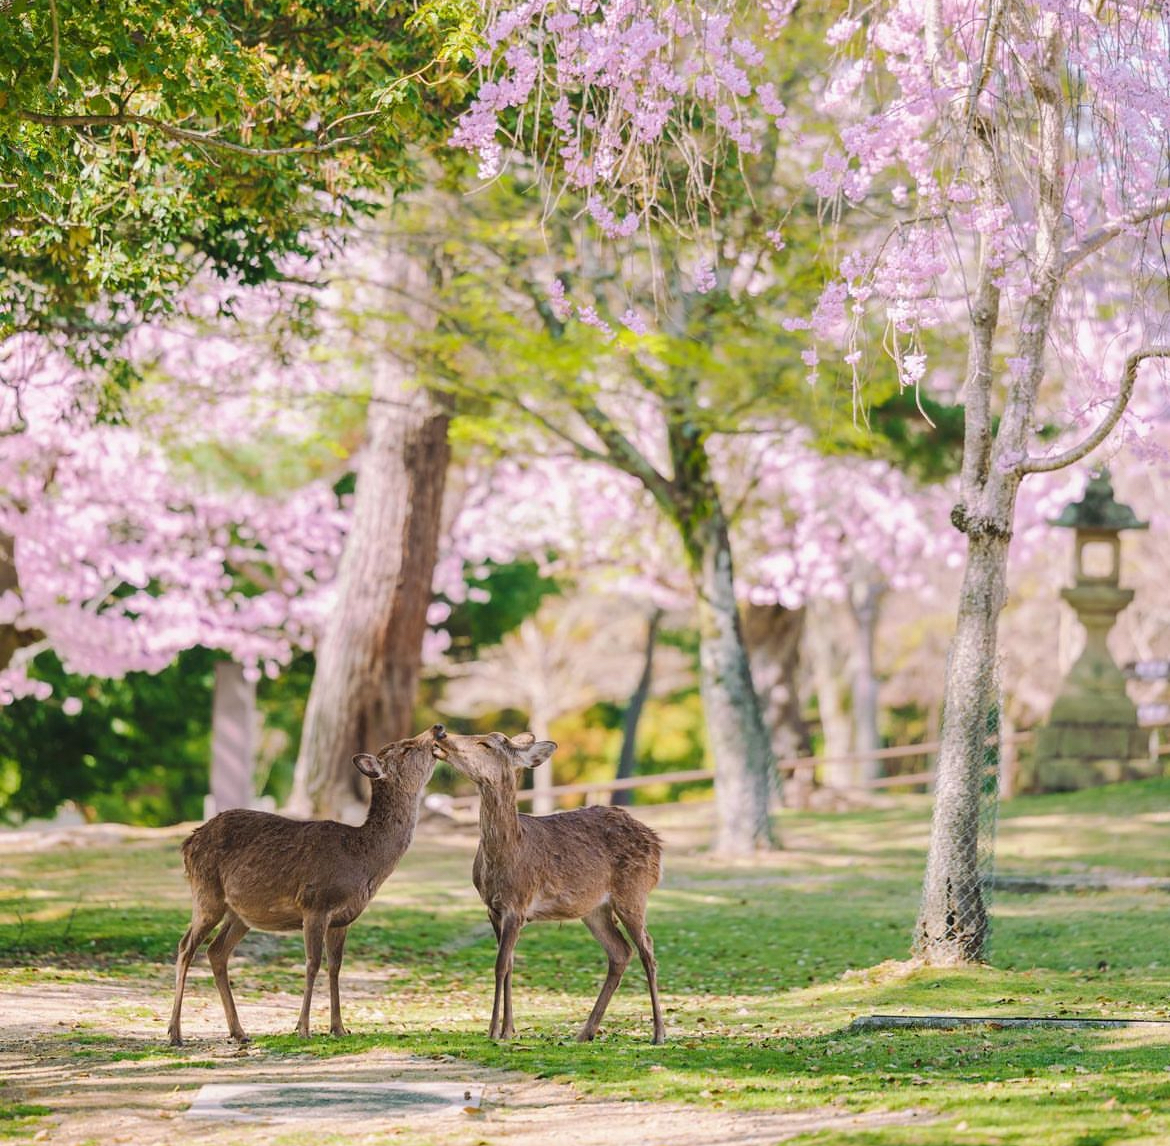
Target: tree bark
<point x="11" y="638"/>
<point x="952" y="920"/>
<point x="627" y="760"/>
<point x="369" y="658"/>
<point x="745" y="769"/>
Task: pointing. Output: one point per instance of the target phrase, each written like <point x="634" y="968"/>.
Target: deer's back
<point x="570" y="862"/>
<point x="272" y="870"/>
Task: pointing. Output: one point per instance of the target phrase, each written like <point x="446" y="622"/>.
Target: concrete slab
<point x="325" y="1100"/>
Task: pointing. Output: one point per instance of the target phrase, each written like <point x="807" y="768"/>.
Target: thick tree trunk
<point x="628" y="759"/>
<point x="952" y="920"/>
<point x="369" y="658"/>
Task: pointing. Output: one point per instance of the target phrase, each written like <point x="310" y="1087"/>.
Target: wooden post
<point x="233" y="739"/>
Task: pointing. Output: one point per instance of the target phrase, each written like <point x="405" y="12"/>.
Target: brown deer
<point x="595" y="864"/>
<point x="256" y="869"/>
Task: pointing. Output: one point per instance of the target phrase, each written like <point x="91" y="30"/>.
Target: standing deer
<point x="256" y="869"/>
<point x="592" y="864"/>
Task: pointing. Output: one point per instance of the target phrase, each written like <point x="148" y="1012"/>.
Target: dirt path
<point x="101" y="1098"/>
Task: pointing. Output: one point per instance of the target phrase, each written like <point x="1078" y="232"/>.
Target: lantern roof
<point x="1097" y="509"/>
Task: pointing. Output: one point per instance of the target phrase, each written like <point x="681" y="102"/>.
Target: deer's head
<point x="493" y="759"/>
<point x="393" y="758"/>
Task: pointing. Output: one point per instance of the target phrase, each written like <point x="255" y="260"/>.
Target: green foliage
<point x="141" y="140"/>
<point x="515" y="591"/>
<point x="137" y="752"/>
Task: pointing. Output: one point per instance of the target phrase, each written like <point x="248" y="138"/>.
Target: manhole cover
<point x="306" y="1101"/>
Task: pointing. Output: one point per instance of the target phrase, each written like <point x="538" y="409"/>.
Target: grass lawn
<point x="763" y="966"/>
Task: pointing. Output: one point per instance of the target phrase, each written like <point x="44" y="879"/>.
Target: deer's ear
<point x="367" y="765"/>
<point x="523" y="740"/>
<point x="536" y="754"/>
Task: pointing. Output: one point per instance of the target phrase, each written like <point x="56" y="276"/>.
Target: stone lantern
<point x="1092" y="735"/>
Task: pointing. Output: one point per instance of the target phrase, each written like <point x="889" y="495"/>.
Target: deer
<point x="597" y="864"/>
<point x="254" y="869"/>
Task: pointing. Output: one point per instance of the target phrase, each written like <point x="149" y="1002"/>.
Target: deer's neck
<point x="499" y="822"/>
<point x="391" y="820"/>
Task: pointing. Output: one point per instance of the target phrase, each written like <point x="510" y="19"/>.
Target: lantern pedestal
<point x="1092" y="736"/>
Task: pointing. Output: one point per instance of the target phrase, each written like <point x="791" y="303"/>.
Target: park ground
<point x="764" y="966"/>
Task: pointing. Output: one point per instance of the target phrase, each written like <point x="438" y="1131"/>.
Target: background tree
<point x="143" y="142"/>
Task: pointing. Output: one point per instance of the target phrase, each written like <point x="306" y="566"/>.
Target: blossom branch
<point x="1106" y="233"/>
<point x="1105" y="426"/>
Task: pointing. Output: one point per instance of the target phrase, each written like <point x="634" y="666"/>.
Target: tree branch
<point x="187" y="135"/>
<point x="56" y="73"/>
<point x="1105" y="426"/>
<point x="625" y="455"/>
<point x="1105" y="234"/>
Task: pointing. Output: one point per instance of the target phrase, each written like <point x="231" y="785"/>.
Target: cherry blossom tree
<point x="121" y="558"/>
<point x="1044" y="218"/>
<point x="995" y="167"/>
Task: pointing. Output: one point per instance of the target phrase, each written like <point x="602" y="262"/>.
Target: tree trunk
<point x="827" y="660"/>
<point x="865" y="594"/>
<point x="773" y="635"/>
<point x="627" y="761"/>
<point x="368" y="660"/>
<point x="11" y="638"/>
<point x="543" y="802"/>
<point x="952" y="920"/>
<point x="745" y="773"/>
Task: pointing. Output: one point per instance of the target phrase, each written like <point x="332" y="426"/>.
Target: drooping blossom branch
<point x="1117" y="409"/>
<point x="629" y="105"/>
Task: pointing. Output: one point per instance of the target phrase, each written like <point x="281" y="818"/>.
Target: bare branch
<point x="1105" y="426"/>
<point x="187" y="135"/>
<point x="1105" y="234"/>
<point x="56" y="73"/>
<point x="625" y="455"/>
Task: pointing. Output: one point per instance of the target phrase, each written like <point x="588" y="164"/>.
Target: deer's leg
<point x="314" y="942"/>
<point x="633" y="917"/>
<point x="601" y="924"/>
<point x="508" y="931"/>
<point x="233" y="930"/>
<point x="204" y="916"/>
<point x="334" y="949"/>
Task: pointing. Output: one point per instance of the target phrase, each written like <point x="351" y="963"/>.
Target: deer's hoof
<point x="586" y="1035"/>
<point x="241" y="1038"/>
<point x="175" y="1041"/>
<point x="337" y="1032"/>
